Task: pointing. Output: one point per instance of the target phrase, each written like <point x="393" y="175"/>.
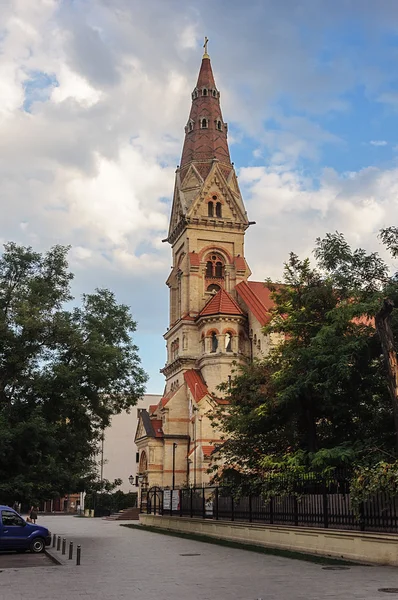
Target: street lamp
<point x="132" y="480"/>
<point x="174" y="463"/>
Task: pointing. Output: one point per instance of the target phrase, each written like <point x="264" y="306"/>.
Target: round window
<point x="214" y="257"/>
<point x="214" y="197"/>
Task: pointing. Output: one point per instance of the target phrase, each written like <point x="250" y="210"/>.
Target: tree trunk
<point x="386" y="335"/>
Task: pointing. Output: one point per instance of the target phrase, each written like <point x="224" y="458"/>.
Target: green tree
<point x="321" y="396"/>
<point x="63" y="374"/>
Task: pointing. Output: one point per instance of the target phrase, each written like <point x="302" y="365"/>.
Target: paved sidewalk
<point x="121" y="563"/>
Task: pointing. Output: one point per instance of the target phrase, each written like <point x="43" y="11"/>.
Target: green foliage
<point x="320" y="399"/>
<point x="370" y="480"/>
<point x="114" y="502"/>
<point x="63" y="374"/>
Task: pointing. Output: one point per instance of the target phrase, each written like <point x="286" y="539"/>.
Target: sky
<point x="94" y="97"/>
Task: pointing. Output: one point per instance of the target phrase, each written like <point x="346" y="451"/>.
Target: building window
<point x="137" y="457"/>
<point x="215" y="266"/>
<point x="214" y="93"/>
<point x="190" y="126"/>
<point x="214" y="342"/>
<point x="228" y="342"/>
<point x="204" y="92"/>
<point x="219" y="125"/>
<point x="213" y="288"/>
<point x="210" y="209"/>
<point x="204" y="123"/>
<point x="218" y="209"/>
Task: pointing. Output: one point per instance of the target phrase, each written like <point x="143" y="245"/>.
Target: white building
<point x="118" y="459"/>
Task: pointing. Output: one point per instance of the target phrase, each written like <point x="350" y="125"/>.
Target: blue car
<point x="17" y="534"/>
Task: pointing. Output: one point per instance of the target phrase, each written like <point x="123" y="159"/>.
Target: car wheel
<point x="37" y="545"/>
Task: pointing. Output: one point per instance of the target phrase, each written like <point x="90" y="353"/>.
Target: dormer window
<point x="210" y="209"/>
<point x="219" y="125"/>
<point x="190" y="126"/>
<point x="203" y="123"/>
<point x="214" y="93"/>
<point x="204" y="92"/>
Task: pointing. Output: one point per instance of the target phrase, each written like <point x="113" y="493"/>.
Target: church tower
<point x="208" y="326"/>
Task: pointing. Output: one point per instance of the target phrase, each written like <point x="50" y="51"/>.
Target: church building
<point x="216" y="312"/>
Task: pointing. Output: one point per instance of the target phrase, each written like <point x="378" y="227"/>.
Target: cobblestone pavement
<point x="121" y="563"/>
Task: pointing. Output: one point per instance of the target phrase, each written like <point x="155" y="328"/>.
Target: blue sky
<point x="94" y="99"/>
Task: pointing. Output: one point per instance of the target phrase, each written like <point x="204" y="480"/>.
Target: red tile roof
<point x="196" y="384"/>
<point x="164" y="401"/>
<point x="207" y="450"/>
<point x="157" y="427"/>
<point x="257" y="298"/>
<point x="221" y="303"/>
<point x="153" y="408"/>
<point x="191" y="451"/>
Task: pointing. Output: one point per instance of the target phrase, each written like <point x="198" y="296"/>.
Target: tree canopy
<point x="322" y="396"/>
<point x="63" y="373"/>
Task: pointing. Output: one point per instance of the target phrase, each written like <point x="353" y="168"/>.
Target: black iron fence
<point x="311" y="502"/>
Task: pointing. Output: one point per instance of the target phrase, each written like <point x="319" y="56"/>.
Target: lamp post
<point x="174" y="464"/>
<point x="132" y="480"/>
<point x="194" y="439"/>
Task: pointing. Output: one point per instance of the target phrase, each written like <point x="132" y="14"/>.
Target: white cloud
<point x="378" y="143"/>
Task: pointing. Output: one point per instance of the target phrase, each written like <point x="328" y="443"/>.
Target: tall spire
<point x="205" y="132"/>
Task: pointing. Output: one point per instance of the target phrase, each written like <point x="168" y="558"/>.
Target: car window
<point x="9" y="518"/>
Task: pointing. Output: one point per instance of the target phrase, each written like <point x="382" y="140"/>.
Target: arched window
<point x="214" y="342"/>
<point x="205" y="92"/>
<point x="214" y="288"/>
<point x="204" y="123"/>
<point x="214" y="93"/>
<point x="218" y="269"/>
<point x="218" y="209"/>
<point x="215" y="266"/>
<point x="203" y="342"/>
<point x="190" y="126"/>
<point x="210" y="209"/>
<point x="228" y="342"/>
<point x="219" y="125"/>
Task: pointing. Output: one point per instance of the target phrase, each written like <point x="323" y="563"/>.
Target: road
<point x="120" y="563"/>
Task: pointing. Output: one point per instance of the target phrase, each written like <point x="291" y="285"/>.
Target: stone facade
<point x="216" y="313"/>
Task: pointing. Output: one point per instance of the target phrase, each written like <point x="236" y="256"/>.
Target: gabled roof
<point x="196" y="384"/>
<point x="257" y="298"/>
<point x="221" y="303"/>
<point x="207" y="450"/>
<point x="152" y="427"/>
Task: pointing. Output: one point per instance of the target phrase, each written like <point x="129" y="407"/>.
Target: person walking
<point x="33" y="513"/>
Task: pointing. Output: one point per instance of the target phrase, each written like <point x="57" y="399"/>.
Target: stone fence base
<point x="376" y="548"/>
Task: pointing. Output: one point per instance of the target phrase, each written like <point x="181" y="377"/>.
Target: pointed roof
<point x="206" y="132"/>
<point x="196" y="384"/>
<point x="221" y="303"/>
<point x="257" y="297"/>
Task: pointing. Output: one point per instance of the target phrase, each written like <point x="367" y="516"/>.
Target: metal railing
<point x="313" y="502"/>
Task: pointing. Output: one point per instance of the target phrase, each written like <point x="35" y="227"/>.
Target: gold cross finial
<point x="205" y="55"/>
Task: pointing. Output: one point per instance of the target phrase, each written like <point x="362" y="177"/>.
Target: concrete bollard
<point x="59" y="543"/>
<point x="78" y="554"/>
<point x="70" y="550"/>
<point x="54" y="540"/>
<point x="64" y="546"/>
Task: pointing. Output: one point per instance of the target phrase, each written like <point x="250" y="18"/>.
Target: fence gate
<point x="155" y="500"/>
